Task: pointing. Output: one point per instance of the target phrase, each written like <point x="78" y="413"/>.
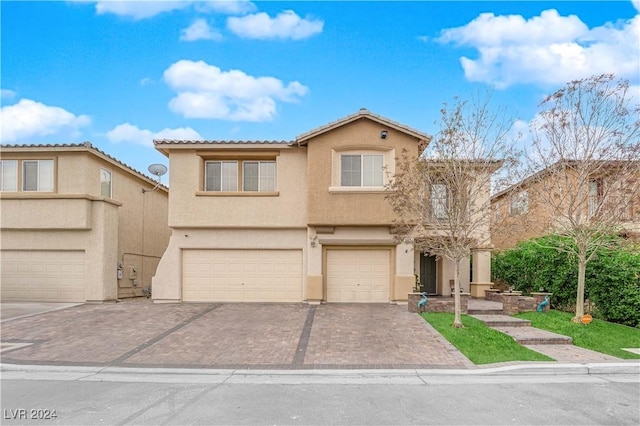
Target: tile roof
<point x="363" y="112"/>
<point x="85" y="146"/>
<point x="216" y="142"/>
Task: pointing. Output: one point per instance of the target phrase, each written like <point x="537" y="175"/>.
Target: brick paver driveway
<point x="265" y="336"/>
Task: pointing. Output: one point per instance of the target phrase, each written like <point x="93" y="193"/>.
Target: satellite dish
<point x="157" y="169"/>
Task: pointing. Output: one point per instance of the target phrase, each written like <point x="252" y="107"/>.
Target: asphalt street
<point x="371" y="397"/>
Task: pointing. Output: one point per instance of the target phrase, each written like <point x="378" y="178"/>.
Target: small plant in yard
<point x="479" y="343"/>
<point x="600" y="336"/>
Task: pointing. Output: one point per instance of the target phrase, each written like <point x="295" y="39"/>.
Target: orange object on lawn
<point x="586" y="319"/>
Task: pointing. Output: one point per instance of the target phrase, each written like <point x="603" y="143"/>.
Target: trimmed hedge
<point x="612" y="278"/>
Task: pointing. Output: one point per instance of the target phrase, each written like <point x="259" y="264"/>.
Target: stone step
<point x="499" y="320"/>
<point x="484" y="311"/>
<point x="534" y="336"/>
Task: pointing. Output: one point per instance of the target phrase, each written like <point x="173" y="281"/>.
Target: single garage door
<point x="242" y="275"/>
<point x="358" y="275"/>
<point x="43" y="275"/>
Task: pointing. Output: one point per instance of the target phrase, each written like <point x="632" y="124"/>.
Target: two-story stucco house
<point x="293" y="221"/>
<point x="77" y="225"/>
<point x="609" y="197"/>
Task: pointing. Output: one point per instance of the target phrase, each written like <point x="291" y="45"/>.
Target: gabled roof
<point x="84" y="146"/>
<point x="362" y="113"/>
<point x="522" y="184"/>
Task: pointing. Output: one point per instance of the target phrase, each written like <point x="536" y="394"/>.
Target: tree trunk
<point x="582" y="268"/>
<point x="457" y="320"/>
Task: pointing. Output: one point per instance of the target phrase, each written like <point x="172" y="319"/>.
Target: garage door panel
<point x="243" y="275"/>
<point x="358" y="275"/>
<point x="48" y="276"/>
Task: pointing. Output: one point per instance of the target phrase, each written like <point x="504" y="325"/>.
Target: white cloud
<point x="128" y="133"/>
<point x="199" y="30"/>
<point x="205" y="91"/>
<point x="287" y="25"/>
<point x="28" y="119"/>
<point x="7" y="94"/>
<point x="228" y="7"/>
<point x="138" y="9"/>
<point x="636" y="4"/>
<point x="549" y="49"/>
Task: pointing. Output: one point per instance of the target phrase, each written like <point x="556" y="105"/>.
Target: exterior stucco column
<point x="314" y="289"/>
<point x="405" y="279"/>
<point x="481" y="272"/>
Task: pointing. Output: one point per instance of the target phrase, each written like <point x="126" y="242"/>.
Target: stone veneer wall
<point x="437" y="304"/>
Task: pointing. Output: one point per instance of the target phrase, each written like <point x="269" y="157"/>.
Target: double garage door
<point x="242" y="275"/>
<point x="43" y="275"/>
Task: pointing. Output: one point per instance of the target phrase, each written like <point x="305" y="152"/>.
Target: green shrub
<point x="614" y="286"/>
<point x="612" y="282"/>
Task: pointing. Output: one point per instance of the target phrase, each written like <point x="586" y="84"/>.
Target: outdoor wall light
<point x="383" y="134"/>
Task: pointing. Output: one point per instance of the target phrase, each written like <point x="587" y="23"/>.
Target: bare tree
<point x="441" y="200"/>
<point x="585" y="166"/>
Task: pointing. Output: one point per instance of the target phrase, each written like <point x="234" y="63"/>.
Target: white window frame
<point x="519" y="203"/>
<point x="439" y="198"/>
<point x="364" y="157"/>
<point x="263" y="179"/>
<point x="5" y="171"/>
<point x="41" y="183"/>
<point x="104" y="173"/>
<point x="228" y="182"/>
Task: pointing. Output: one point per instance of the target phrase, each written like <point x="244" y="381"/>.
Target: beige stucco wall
<point x="190" y="206"/>
<point x="167" y="284"/>
<point x="98" y="242"/>
<point x="76" y="217"/>
<point x="343" y="208"/>
<point x="320" y="239"/>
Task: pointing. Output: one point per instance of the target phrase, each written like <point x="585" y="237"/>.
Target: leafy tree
<point x="585" y="166"/>
<point x="441" y="200"/>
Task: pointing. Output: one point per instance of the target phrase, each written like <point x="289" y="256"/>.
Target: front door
<point x="428" y="274"/>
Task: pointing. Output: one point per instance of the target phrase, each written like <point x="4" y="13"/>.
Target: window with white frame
<point x="105" y="183"/>
<point x="439" y="200"/>
<point x="37" y="175"/>
<point x="362" y="170"/>
<point x="519" y="204"/>
<point x="221" y="176"/>
<point x="8" y="175"/>
<point x="259" y="176"/>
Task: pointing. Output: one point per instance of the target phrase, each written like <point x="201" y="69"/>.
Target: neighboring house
<point x="518" y="216"/>
<point x="293" y="221"/>
<point x="77" y="225"/>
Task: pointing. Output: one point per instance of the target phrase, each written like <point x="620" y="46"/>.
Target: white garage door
<point x="242" y="275"/>
<point x="358" y="275"/>
<point x="43" y="276"/>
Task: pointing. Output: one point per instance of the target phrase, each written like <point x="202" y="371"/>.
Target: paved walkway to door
<point x="258" y="336"/>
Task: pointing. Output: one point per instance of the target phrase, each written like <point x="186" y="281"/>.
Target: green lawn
<point x="600" y="336"/>
<point x="479" y="343"/>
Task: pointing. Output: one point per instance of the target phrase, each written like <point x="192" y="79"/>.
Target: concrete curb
<point x="95" y="373"/>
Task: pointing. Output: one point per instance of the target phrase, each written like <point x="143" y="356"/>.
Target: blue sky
<point x="119" y="74"/>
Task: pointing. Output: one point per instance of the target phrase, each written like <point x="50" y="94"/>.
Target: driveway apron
<point x="240" y="336"/>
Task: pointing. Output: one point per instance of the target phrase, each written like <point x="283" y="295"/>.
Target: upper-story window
<point x="519" y="204"/>
<point x="221" y="176"/>
<point x="105" y="183"/>
<point x="362" y="170"/>
<point x="439" y="200"/>
<point x="258" y="175"/>
<point x="249" y="175"/>
<point x="8" y="175"/>
<point x="37" y="175"/>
